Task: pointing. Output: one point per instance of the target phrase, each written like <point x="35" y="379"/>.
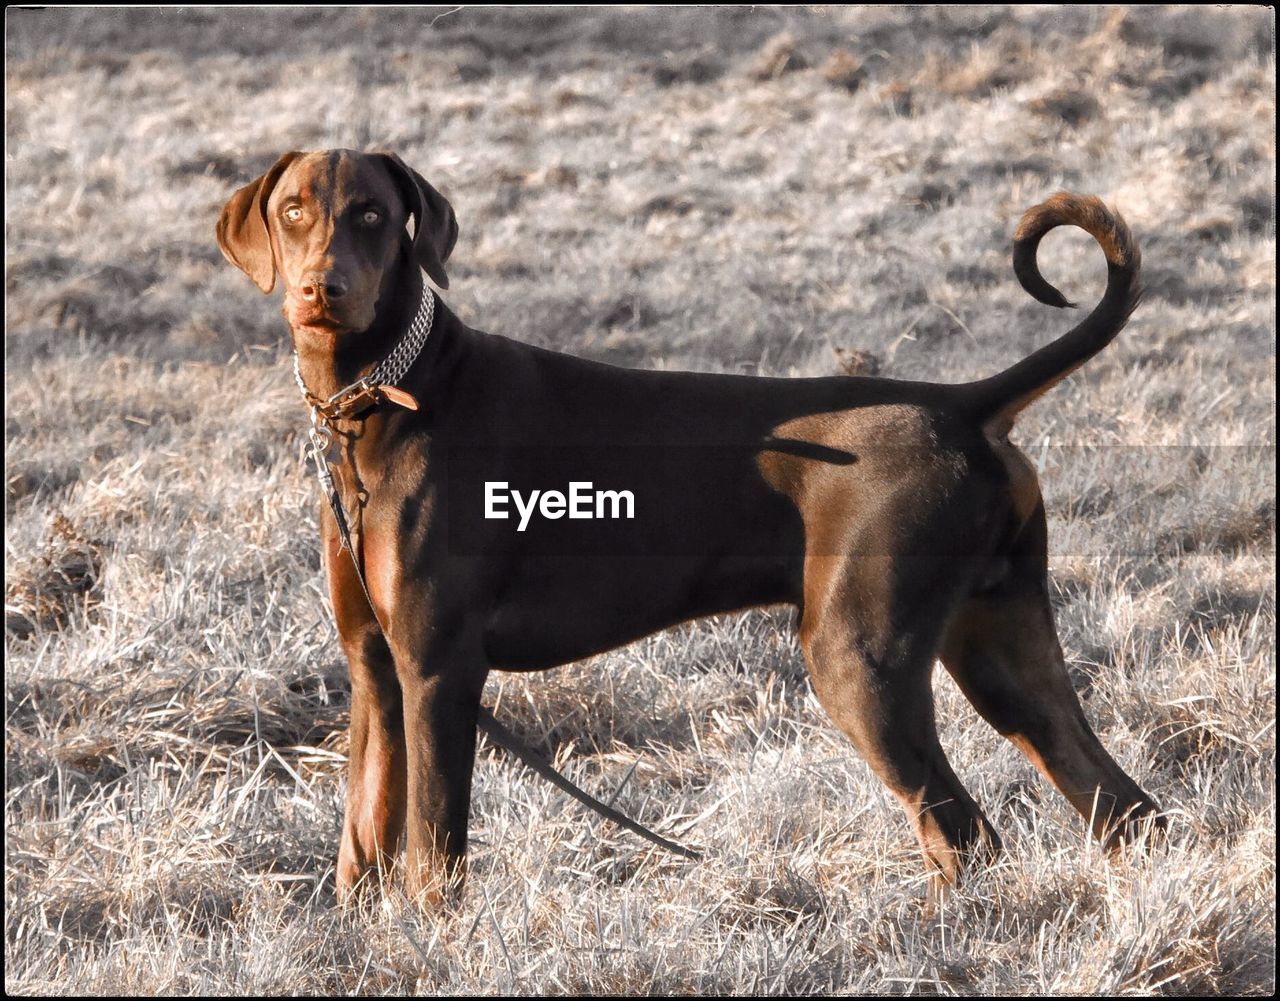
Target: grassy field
<point x="788" y="192"/>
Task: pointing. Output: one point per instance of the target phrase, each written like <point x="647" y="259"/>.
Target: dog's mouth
<point x="321" y="325"/>
<point x="316" y="319"/>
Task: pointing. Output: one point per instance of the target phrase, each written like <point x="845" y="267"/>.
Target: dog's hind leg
<point x="1003" y="651"/>
<point x="870" y="631"/>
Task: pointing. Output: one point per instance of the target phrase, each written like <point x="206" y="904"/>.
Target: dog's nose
<point x="320" y="287"/>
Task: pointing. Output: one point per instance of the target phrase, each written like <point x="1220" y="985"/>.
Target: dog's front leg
<point x="441" y="687"/>
<point x="375" y="809"/>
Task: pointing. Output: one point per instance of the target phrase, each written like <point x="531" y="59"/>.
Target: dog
<point x="896" y="517"/>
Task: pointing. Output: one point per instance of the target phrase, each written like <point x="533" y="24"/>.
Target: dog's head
<point x="333" y="225"/>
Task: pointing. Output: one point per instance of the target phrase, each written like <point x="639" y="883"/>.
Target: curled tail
<point x="997" y="401"/>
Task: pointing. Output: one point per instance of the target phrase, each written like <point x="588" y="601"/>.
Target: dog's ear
<point x="435" y="227"/>
<point x="243" y="237"/>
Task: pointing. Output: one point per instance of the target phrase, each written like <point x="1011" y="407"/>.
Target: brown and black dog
<point x="896" y="517"/>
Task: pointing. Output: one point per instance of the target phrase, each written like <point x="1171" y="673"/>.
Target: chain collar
<point x="355" y="400"/>
<point x="380" y="384"/>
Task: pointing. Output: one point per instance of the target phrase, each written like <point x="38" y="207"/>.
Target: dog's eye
<point x="293" y="213"/>
<point x="371" y="216"/>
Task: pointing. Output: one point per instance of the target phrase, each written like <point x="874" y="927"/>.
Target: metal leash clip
<point x="321" y="442"/>
<point x="321" y="436"/>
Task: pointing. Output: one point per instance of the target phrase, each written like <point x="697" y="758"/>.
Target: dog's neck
<point x="329" y="363"/>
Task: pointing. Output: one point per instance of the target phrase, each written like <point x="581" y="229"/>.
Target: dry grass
<point x="786" y="192"/>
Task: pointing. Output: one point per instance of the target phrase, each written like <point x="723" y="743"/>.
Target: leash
<point x="353" y="402"/>
<point x="510" y="743"/>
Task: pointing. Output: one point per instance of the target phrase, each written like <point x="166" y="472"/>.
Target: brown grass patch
<point x="45" y="590"/>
